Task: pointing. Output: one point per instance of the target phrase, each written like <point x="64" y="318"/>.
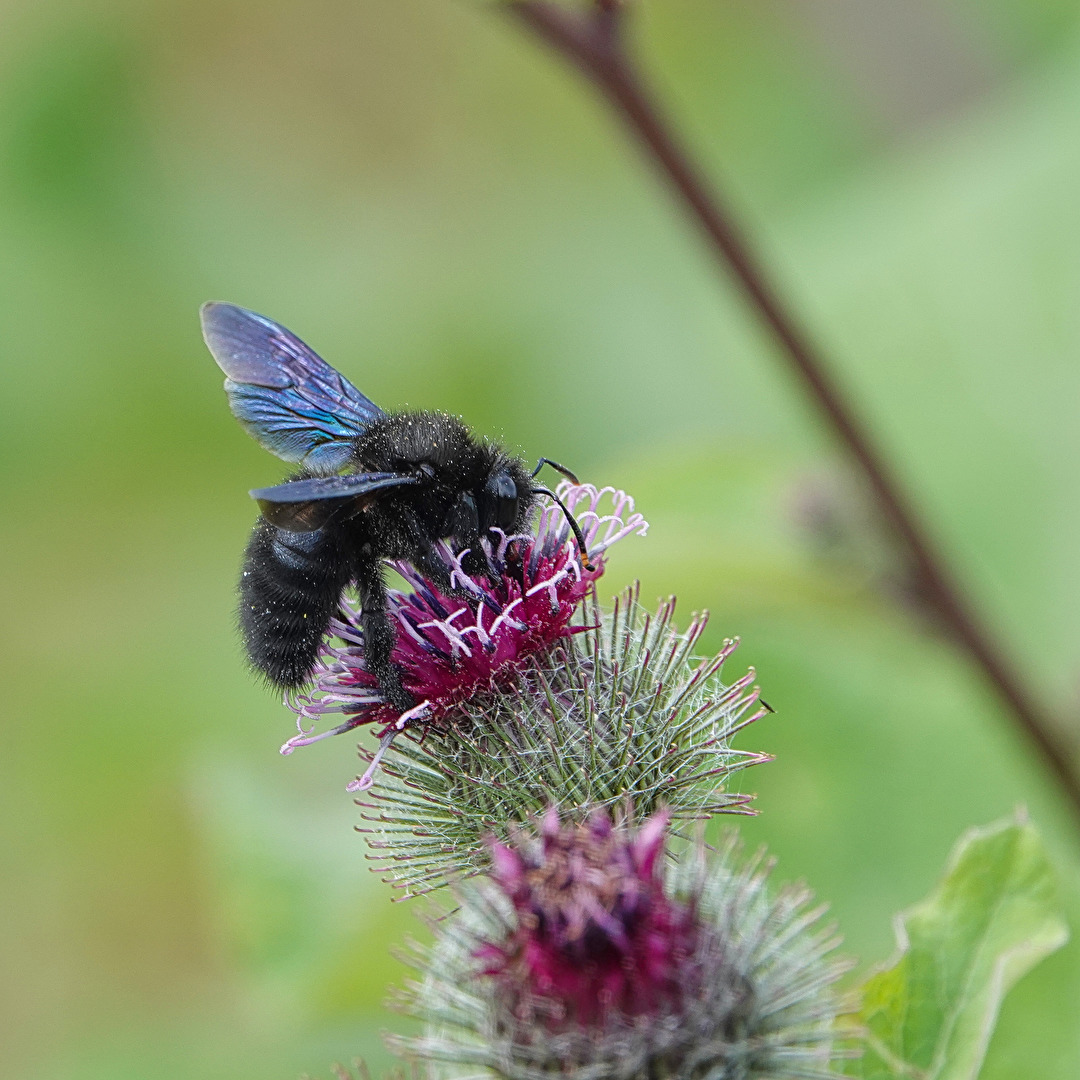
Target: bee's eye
<point x="503" y="495"/>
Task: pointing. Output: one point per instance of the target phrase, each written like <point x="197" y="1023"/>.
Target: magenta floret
<point x="595" y="934"/>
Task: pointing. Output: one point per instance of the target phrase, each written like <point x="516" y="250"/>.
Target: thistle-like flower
<point x="587" y="953"/>
<point x="531" y="696"/>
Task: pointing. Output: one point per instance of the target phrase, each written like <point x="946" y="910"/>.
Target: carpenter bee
<point x="371" y="486"/>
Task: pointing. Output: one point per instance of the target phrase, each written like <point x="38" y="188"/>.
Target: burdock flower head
<point x="589" y="953"/>
<point x="528" y="695"/>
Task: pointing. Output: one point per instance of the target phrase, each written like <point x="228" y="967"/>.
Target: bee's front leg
<point x="441" y="576"/>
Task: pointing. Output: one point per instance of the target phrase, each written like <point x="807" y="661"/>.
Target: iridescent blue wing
<point x="289" y="399"/>
<point x="305" y="505"/>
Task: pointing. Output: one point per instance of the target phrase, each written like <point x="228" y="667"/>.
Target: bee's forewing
<point x="287" y="397"/>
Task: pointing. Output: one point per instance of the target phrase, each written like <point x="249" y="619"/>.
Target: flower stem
<point x="592" y="40"/>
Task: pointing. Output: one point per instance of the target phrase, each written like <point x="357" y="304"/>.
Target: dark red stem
<point x="592" y="40"/>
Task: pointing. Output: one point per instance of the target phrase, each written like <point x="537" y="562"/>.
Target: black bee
<point x="372" y="485"/>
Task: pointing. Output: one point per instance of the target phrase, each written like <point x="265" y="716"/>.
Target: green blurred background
<point x="447" y="216"/>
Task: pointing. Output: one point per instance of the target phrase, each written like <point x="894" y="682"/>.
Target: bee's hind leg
<point x="379" y="636"/>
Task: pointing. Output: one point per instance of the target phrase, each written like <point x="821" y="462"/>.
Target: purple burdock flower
<point x="595" y="932"/>
<point x="450" y="648"/>
<point x="530" y="694"/>
<point x="588" y="952"/>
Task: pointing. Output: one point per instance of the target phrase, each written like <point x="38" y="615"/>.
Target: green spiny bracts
<point x="620" y="713"/>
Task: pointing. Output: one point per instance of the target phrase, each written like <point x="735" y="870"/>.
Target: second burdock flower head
<point x="588" y="953"/>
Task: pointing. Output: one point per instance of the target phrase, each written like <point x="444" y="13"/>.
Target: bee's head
<point x="503" y="501"/>
<point x="500" y="501"/>
<point x="508" y="496"/>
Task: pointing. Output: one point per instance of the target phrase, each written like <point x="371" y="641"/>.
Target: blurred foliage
<point x="447" y="216"/>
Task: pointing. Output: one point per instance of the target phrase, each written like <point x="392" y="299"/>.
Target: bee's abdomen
<point x="289" y="589"/>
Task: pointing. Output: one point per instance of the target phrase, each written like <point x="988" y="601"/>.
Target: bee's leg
<point x="290" y="587"/>
<point x="439" y="574"/>
<point x="463" y="525"/>
<point x="379" y="636"/>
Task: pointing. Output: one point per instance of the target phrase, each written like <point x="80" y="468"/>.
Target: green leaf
<point x="930" y="1014"/>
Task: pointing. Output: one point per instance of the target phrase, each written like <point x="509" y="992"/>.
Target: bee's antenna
<point x="557" y="467"/>
<point x="570" y="520"/>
